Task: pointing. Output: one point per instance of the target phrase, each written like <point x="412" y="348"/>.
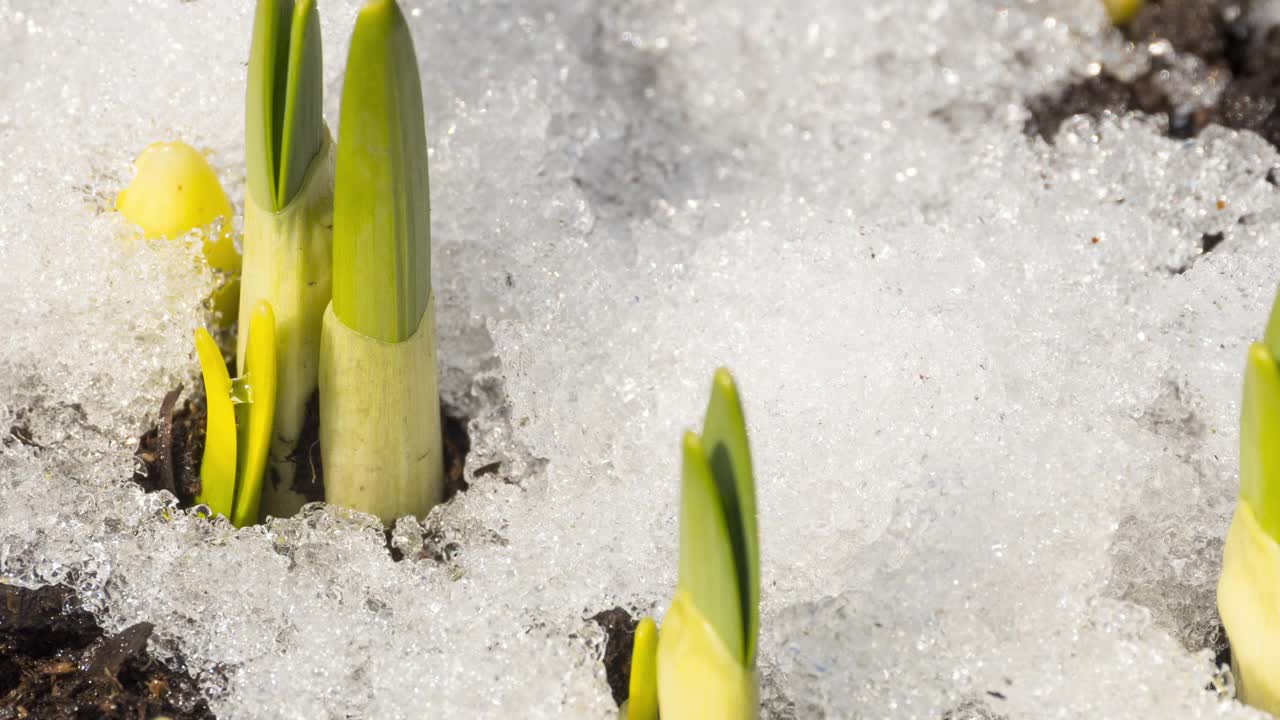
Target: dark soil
<point x="169" y="454"/>
<point x="1246" y="62"/>
<point x="620" y="630"/>
<point x="1222" y="648"/>
<point x="457" y="443"/>
<point x="57" y="664"/>
<point x="308" y="470"/>
<point x="1221" y="653"/>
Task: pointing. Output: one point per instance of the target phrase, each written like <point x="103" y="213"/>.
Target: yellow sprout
<point x="698" y="676"/>
<point x="642" y="701"/>
<point x="238" y="423"/>
<point x="174" y="192"/>
<point x="1122" y="11"/>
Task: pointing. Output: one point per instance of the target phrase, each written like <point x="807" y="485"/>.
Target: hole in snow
<point x="169" y="453"/>
<point x="620" y="632"/>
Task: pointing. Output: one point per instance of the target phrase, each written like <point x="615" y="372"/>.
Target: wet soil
<point x="1221" y="654"/>
<point x="168" y="455"/>
<point x="620" y="633"/>
<point x="308" y="468"/>
<point x="457" y="443"/>
<point x="1245" y="61"/>
<point x="56" y="663"/>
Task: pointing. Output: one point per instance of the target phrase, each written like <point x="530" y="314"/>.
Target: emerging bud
<point x="240" y="417"/>
<point x="1122" y="11"/>
<point x="174" y="192"/>
<point x="1249" y="589"/>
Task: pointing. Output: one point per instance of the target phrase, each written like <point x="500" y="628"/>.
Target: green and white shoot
<point x="1249" y="589"/>
<point x="706" y="654"/>
<point x="379" y="408"/>
<point x="239" y="420"/>
<point x="288" y="218"/>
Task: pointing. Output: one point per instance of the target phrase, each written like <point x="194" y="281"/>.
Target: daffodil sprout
<point x="288" y="220"/>
<point x="174" y="192"/>
<point x="642" y="696"/>
<point x="379" y="408"/>
<point x="706" y="649"/>
<point x="239" y="421"/>
<point x="1249" y="589"/>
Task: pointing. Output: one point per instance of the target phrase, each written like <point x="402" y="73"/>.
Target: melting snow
<point x="992" y="384"/>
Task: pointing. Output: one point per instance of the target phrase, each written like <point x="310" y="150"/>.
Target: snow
<point x="991" y="383"/>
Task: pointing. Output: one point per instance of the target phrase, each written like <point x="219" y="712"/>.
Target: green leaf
<point x="255" y="418"/>
<point x="724" y="437"/>
<point x="642" y="700"/>
<point x="1260" y="439"/>
<point x="382" y="211"/>
<point x="284" y="123"/>
<point x="218" y="466"/>
<point x="708" y="569"/>
<point x="1271" y="338"/>
<point x="303" y="121"/>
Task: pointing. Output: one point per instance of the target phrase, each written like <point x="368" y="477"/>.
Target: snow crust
<point x="992" y="384"/>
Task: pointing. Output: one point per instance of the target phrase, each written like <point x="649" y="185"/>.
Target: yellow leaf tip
<point x="723" y="384"/>
<point x="264" y="310"/>
<point x="1260" y="354"/>
<point x="692" y="442"/>
<point x="724" y="378"/>
<point x="646" y="629"/>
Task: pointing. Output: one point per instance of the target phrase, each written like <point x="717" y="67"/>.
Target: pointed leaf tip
<point x="723" y="381"/>
<point x="382" y="203"/>
<point x="284" y="123"/>
<point x="708" y="569"/>
<point x="642" y="701"/>
<point x="1260" y="439"/>
<point x="1271" y="338"/>
<point x="728" y="456"/>
<point x="218" y="466"/>
<point x="256" y="418"/>
<point x="302" y="127"/>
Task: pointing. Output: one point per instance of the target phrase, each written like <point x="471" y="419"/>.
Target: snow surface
<point x="996" y="456"/>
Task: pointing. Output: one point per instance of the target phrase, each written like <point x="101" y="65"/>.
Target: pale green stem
<point x="288" y="262"/>
<point x="380" y="420"/>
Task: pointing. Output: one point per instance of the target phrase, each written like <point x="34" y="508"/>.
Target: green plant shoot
<point x="288" y="219"/>
<point x="1249" y="589"/>
<point x="284" y="128"/>
<point x="642" y="697"/>
<point x="239" y="421"/>
<point x="706" y="655"/>
<point x="379" y="407"/>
